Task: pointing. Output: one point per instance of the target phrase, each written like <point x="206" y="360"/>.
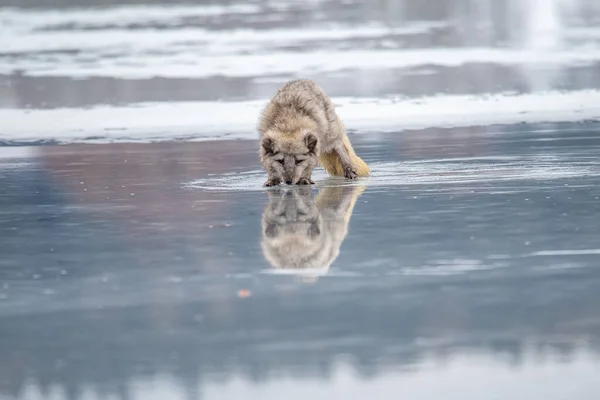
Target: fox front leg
<point x="305" y="179"/>
<point x="272" y="181"/>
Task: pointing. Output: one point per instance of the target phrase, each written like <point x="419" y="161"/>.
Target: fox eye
<point x="280" y="161"/>
<point x="298" y="162"/>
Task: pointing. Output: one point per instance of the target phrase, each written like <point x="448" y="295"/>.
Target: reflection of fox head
<point x="301" y="233"/>
<point x="293" y="230"/>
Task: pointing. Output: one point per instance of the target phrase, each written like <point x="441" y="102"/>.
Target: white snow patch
<point x="174" y="41"/>
<point x="566" y="252"/>
<point x="25" y="20"/>
<point x="197" y="60"/>
<point x="237" y="120"/>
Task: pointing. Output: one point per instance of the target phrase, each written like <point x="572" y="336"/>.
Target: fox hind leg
<point x="349" y="170"/>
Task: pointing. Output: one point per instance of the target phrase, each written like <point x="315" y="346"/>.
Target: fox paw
<point x="350" y="172"/>
<point x="305" y="181"/>
<point x="272" y="182"/>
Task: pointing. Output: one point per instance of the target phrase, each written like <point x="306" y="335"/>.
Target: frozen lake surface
<point x="469" y="259"/>
<point x="142" y="259"/>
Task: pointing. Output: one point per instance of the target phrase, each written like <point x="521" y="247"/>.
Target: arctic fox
<point x="300" y="128"/>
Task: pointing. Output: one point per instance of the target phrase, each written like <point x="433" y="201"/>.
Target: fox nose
<point x="288" y="181"/>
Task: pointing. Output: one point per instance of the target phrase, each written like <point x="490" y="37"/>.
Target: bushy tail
<point x="333" y="165"/>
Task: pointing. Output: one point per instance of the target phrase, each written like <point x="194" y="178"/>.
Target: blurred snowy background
<point x="156" y="69"/>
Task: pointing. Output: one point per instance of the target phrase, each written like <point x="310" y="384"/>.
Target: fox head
<point x="289" y="158"/>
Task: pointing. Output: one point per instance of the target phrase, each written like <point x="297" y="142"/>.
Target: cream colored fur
<point x="298" y="127"/>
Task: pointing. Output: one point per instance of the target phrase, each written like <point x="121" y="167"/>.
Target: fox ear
<point x="311" y="142"/>
<point x="268" y="145"/>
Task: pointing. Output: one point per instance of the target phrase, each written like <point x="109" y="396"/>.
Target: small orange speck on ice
<point x="243" y="293"/>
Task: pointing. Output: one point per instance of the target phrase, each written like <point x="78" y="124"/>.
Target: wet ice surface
<point x="466" y="265"/>
<point x="145" y="270"/>
<point x="449" y="172"/>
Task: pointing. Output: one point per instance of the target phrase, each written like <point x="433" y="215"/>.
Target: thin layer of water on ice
<point x="420" y="173"/>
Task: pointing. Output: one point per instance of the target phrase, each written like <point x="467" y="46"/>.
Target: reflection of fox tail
<point x="333" y="165"/>
<point x="340" y="198"/>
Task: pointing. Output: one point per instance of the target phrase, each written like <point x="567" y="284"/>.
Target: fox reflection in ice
<point x="302" y="234"/>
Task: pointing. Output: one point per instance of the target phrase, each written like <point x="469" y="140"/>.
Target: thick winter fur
<point x="301" y="233"/>
<point x="300" y="128"/>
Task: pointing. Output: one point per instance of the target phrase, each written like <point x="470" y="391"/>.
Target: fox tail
<point x="333" y="165"/>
